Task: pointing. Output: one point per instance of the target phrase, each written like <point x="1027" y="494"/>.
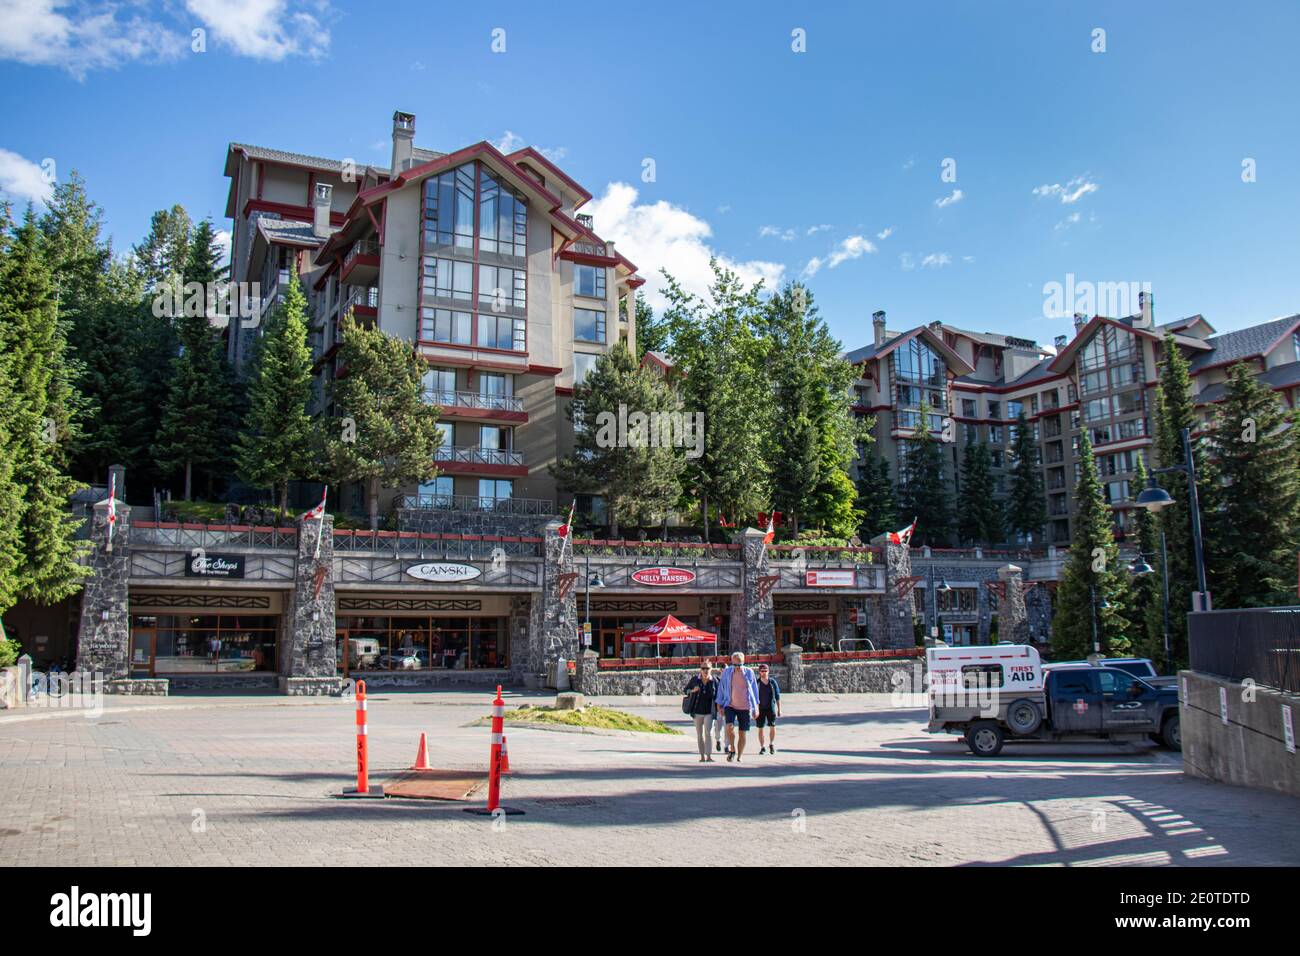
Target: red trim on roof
<point x="529" y="153"/>
<point x="288" y="211"/>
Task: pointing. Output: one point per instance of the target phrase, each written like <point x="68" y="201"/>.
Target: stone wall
<point x="104" y="634"/>
<point x="1250" y="749"/>
<point x="310" y="666"/>
<point x="434" y="678"/>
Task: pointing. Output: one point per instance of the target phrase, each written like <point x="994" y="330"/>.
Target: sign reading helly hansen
<point x="444" y="573"/>
<point x="663" y="577"/>
<point x="831" y="579"/>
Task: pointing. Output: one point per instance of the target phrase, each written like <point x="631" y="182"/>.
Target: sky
<point x="937" y="160"/>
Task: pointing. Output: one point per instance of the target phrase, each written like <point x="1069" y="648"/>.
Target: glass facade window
<point x="447" y="279"/>
<point x="915" y="361"/>
<point x="995" y="434"/>
<point x="445" y="325"/>
<point x="995" y="409"/>
<point x="494" y="490"/>
<point x="421" y="643"/>
<point x="583" y="363"/>
<point x="438" y="492"/>
<point x="204" y="643"/>
<point x="589" y="281"/>
<point x="589" y="325"/>
<point x="449" y="209"/>
<point x="502" y="332"/>
<point x="1015" y="409"/>
<point x="502" y="217"/>
<point x="439" y="386"/>
<point x="501" y="288"/>
<point x="968" y="407"/>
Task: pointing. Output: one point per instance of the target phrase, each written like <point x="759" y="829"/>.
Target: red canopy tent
<point x="669" y="631"/>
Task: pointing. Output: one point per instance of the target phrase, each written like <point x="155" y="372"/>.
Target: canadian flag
<point x="904" y="536"/>
<point x="320" y="508"/>
<point x="112" y="504"/>
<point x="771" y="529"/>
<point x="565" y="528"/>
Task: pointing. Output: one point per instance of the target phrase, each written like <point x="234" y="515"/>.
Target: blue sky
<point x="1123" y="165"/>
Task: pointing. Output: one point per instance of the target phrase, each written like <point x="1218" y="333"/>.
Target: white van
<point x="981" y="682"/>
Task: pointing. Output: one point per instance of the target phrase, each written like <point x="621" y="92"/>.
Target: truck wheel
<point x="1024" y="717"/>
<point x="1171" y="733"/>
<point x="985" y="738"/>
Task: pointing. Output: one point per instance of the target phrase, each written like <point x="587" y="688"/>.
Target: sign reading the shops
<point x="215" y="566"/>
<point x="663" y="577"/>
<point x="444" y="573"/>
<point x="830" y="579"/>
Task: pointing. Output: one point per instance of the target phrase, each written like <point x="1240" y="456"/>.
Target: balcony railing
<point x="279" y="284"/>
<point x="360" y="296"/>
<point x="426" y="546"/>
<point x="474" y="400"/>
<point x="366" y="247"/>
<point x="589" y="248"/>
<point x="477" y="504"/>
<point x="184" y="535"/>
<point x="657" y="550"/>
<point x="474" y="455"/>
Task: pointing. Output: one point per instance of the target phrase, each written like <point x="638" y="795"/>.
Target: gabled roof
<point x="289" y="231"/>
<point x="1253" y="341"/>
<point x="1065" y="357"/>
<point x="1278" y="377"/>
<point x="956" y="364"/>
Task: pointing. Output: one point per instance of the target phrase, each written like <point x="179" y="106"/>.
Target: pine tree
<point x="1255" y="482"/>
<point x="11" y="494"/>
<point x="925" y="493"/>
<point x="1145" y="612"/>
<point x="166" y="249"/>
<point x="640" y="481"/>
<point x="877" y="500"/>
<point x="390" y="437"/>
<point x="979" y="516"/>
<point x="651" y="333"/>
<point x="1092" y="571"/>
<point x="1026" y="506"/>
<point x="278" y="442"/>
<point x="36" y="355"/>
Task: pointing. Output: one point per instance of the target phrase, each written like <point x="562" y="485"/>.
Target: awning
<point x="669" y="631"/>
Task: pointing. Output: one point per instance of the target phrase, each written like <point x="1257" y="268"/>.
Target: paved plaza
<point x="251" y="781"/>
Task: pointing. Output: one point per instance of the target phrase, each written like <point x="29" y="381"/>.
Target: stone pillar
<point x="553" y="630"/>
<point x="104" y="633"/>
<point x="753" y="623"/>
<point x="521" y="610"/>
<point x="894" y="612"/>
<point x="309" y="665"/>
<point x="794" y="663"/>
<point x="1013" y="621"/>
<point x="586" y="673"/>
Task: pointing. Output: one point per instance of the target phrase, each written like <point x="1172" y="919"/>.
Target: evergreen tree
<point x="165" y="251"/>
<point x="1026" y="506"/>
<point x="1092" y="569"/>
<point x="1145" y="612"/>
<point x="639" y="479"/>
<point x="925" y="493"/>
<point x="276" y="446"/>
<point x="392" y="436"/>
<point x="877" y="500"/>
<point x="718" y="346"/>
<point x="1255" y="482"/>
<point x="979" y="516"/>
<point x="833" y="507"/>
<point x="11" y="494"/>
<point x="35" y="368"/>
<point x="651" y="333"/>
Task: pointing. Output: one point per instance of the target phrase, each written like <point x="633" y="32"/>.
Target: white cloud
<point x="936" y="260"/>
<point x="22" y="180"/>
<point x="909" y="164"/>
<point x="885" y="233"/>
<point x="222" y="238"/>
<point x="264" y="29"/>
<point x="38" y="33"/>
<point x="956" y="196"/>
<point x="1068" y="221"/>
<point x="853" y="247"/>
<point x="661" y="235"/>
<point x="785" y="235"/>
<point x="813" y="230"/>
<point x="509" y="142"/>
<point x="967" y="258"/>
<point x="1071" y="192"/>
<point x="554" y="154"/>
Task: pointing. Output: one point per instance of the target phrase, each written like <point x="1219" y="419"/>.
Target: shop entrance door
<point x="144" y="641"/>
<point x="607" y="641"/>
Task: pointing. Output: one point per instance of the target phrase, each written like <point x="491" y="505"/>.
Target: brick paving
<point x="250" y="781"/>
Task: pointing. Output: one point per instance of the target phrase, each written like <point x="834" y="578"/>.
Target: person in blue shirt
<point x="737" y="701"/>
<point x="769" y="707"/>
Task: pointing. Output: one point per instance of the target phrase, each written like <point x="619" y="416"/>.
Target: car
<point x="1141" y="667"/>
<point x="399" y="662"/>
<point x="993" y="695"/>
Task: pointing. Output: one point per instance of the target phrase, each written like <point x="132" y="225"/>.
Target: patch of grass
<point x="599" y="717"/>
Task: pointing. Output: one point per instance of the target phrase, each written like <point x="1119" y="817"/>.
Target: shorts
<point x="740" y="717"/>
<point x="767" y="717"/>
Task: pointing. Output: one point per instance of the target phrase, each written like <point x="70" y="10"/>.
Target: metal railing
<point x="655" y="550"/>
<point x="1259" y="644"/>
<point x="165" y="534"/>
<point x="476" y="400"/>
<point x="360" y="295"/>
<point x="475" y="455"/>
<point x="433" y="546"/>
<point x="824" y="555"/>
<point x="364" y="247"/>
<point x="478" y="504"/>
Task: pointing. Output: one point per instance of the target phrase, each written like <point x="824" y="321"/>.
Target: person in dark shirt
<point x="769" y="708"/>
<point x="703" y="688"/>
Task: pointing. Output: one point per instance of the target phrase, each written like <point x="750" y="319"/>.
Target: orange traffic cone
<point x="422" y="756"/>
<point x="505" y="756"/>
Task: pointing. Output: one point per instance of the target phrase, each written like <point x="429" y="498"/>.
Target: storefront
<point x="178" y="634"/>
<point x="611" y="618"/>
<point x="424" y="633"/>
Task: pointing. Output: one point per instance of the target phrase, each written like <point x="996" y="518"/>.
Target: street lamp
<point x="1154" y="498"/>
<point x="1140" y="568"/>
<point x="594" y="580"/>
<point x="1105" y="606"/>
<point x="934" y="601"/>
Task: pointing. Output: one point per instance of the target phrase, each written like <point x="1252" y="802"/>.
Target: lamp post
<point x="593" y="581"/>
<point x="1139" y="568"/>
<point x="934" y="601"/>
<point x="1154" y="498"/>
<point x="1092" y="603"/>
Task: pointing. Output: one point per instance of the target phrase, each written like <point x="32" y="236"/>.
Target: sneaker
<point x="717" y="745"/>
<point x="730" y="756"/>
<point x="772" y="749"/>
<point x="762" y="750"/>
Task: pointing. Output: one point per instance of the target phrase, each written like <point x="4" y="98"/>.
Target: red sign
<point x="663" y="577"/>
<point x="830" y="579"/>
<point x="813" y="620"/>
<point x="1081" y="706"/>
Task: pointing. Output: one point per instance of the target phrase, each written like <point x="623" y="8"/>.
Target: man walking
<point x="769" y="708"/>
<point x="738" y="699"/>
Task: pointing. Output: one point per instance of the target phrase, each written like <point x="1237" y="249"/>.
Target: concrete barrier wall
<point x="818" y="677"/>
<point x="1250" y="749"/>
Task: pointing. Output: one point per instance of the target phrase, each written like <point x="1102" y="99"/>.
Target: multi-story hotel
<point x="479" y="259"/>
<point x="1103" y="378"/>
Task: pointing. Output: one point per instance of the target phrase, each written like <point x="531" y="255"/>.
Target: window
<point x="494" y="437"/>
<point x="494" y="388"/>
<point x="440" y="386"/>
<point x="501" y="288"/>
<point x="968" y="407"/>
<point x="995" y="409"/>
<point x="583" y="363"/>
<point x="447" y="279"/>
<point x="589" y="281"/>
<point x="502" y="217"/>
<point x="915" y="361"/>
<point x="589" y="325"/>
<point x="959" y="600"/>
<point x="493" y="491"/>
<point x="210" y="643"/>
<point x="421" y="643"/>
<point x="445" y="325"/>
<point x="996" y="458"/>
<point x="1115" y="682"/>
<point x="502" y="332"/>
<point x="449" y="209"/>
<point x="995" y="434"/>
<point x="1015" y="409"/>
<point x="971" y="433"/>
<point x="437" y="493"/>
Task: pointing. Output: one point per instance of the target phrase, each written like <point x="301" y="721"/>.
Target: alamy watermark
<point x="655" y="429"/>
<point x="1082" y="297"/>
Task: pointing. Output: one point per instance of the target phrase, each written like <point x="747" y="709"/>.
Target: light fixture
<point x="1140" y="567"/>
<point x="1104" y="605"/>
<point x="103" y="615"/>
<point x="943" y="586"/>
<point x="596" y="581"/>
<point x="1153" y="497"/>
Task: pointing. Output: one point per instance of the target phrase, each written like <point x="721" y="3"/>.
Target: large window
<point x="421" y="643"/>
<point x="583" y="363"/>
<point x="589" y="281"/>
<point x="449" y="209"/>
<point x="915" y="361"/>
<point x="503" y="217"/>
<point x="501" y="288"/>
<point x="448" y="279"/>
<point x="589" y="325"/>
<point x="439" y="386"/>
<point x="502" y="332"/>
<point x="204" y="644"/>
<point x="445" y="325"/>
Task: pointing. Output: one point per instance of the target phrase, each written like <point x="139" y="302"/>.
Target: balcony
<point x="279" y="285"/>
<point x="361" y="263"/>
<point x="475" y="460"/>
<point x="363" y="302"/>
<point x="461" y="404"/>
<point x="478" y="504"/>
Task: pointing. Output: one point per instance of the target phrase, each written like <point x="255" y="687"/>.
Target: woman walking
<point x="703" y="691"/>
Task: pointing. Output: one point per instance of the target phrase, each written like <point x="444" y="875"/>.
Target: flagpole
<point x="320" y="528"/>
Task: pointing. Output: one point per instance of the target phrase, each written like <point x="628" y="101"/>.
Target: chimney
<point x="1080" y="320"/>
<point x="1060" y="342"/>
<point x="878" y="325"/>
<point x="1146" y="310"/>
<point x="320" y="207"/>
<point x="403" y="142"/>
